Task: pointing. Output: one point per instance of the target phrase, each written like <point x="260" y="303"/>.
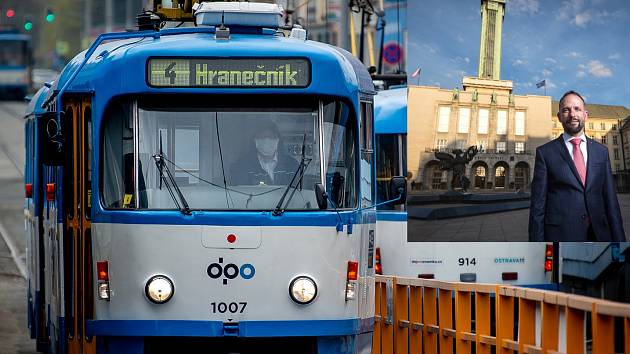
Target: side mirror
<point x="398" y="189"/>
<point x="52" y="148"/>
<point x="321" y="196"/>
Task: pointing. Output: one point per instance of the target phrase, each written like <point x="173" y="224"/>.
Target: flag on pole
<point x="416" y="73"/>
<point x="541" y="84"/>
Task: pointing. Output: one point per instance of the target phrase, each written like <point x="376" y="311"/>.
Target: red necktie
<point x="578" y="159"/>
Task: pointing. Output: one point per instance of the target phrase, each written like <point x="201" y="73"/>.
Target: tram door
<point x="79" y="299"/>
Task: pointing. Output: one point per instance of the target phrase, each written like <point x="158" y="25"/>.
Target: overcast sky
<point x="582" y="45"/>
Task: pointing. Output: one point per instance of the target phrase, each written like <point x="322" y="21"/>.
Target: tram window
<point x="87" y="118"/>
<point x="238" y="155"/>
<point x="367" y="122"/>
<point x="387" y="166"/>
<point x="367" y="154"/>
<point x="117" y="162"/>
<point x="13" y="53"/>
<point x="340" y="137"/>
<point x="68" y="178"/>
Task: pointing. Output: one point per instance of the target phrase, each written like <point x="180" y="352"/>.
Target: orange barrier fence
<point x="430" y="316"/>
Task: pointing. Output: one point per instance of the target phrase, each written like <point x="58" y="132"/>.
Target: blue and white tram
<point x="213" y="190"/>
<point x="15" y="64"/>
<point x="390" y="125"/>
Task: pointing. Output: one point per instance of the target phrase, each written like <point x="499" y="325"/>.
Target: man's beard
<point x="570" y="129"/>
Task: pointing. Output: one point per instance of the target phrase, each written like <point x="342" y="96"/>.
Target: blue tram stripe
<point x="231" y="218"/>
<point x="176" y="328"/>
<point x="391" y="215"/>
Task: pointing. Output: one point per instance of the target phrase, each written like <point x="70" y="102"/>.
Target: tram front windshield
<point x="243" y="157"/>
<point x="13" y="53"/>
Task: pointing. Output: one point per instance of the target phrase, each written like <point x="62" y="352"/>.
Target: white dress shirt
<point x="567" y="141"/>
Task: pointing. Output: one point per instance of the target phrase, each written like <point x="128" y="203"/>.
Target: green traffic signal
<point x="50" y="15"/>
<point x="28" y="25"/>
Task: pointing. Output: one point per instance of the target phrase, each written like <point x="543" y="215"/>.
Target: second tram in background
<point x="203" y="189"/>
<point x="15" y="65"/>
<point x="524" y="263"/>
<point x="390" y="126"/>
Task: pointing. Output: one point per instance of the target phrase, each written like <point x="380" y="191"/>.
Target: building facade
<point x="506" y="129"/>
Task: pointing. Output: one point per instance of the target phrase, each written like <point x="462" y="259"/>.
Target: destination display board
<point x="229" y="72"/>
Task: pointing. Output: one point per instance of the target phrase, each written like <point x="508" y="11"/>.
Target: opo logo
<point x="230" y="271"/>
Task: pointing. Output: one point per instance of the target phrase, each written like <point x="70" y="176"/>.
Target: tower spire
<point x="492" y="13"/>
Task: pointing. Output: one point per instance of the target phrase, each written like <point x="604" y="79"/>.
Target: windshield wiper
<point x="304" y="162"/>
<point x="169" y="181"/>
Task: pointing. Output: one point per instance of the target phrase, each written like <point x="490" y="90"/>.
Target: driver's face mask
<point x="267" y="146"/>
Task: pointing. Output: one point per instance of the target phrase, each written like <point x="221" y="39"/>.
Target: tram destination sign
<point x="229" y="72"/>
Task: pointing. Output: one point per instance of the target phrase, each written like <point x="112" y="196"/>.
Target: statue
<point x="457" y="164"/>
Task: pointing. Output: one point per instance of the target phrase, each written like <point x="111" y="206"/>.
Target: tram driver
<point x="265" y="162"/>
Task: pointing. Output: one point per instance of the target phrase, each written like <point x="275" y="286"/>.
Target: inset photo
<point x="518" y="121"/>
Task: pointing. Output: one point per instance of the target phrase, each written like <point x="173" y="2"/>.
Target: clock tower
<point x="492" y="12"/>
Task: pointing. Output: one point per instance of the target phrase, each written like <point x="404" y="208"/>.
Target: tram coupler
<point x="230" y="329"/>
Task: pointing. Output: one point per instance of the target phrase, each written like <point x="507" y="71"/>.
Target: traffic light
<point x="50" y="15"/>
<point x="28" y="24"/>
<point x="10" y="13"/>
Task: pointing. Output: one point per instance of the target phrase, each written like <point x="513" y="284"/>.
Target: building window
<point x="604" y="140"/>
<point x="441" y="144"/>
<point x="500" y="146"/>
<point x="519" y="123"/>
<point x="464" y="120"/>
<point x="481" y="145"/>
<point x="482" y="127"/>
<point x="617" y="167"/>
<point x="603" y="126"/>
<point x="590" y="126"/>
<point x="519" y="147"/>
<point x="614" y="127"/>
<point x="615" y="140"/>
<point x="436" y="177"/>
<point x="460" y="144"/>
<point x="502" y="122"/>
<point x="445" y="113"/>
<point x="616" y="153"/>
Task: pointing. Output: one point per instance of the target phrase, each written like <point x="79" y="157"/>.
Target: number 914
<point x="466" y="261"/>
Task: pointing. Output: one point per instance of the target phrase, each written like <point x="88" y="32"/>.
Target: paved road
<point x="507" y="226"/>
<point x="13" y="332"/>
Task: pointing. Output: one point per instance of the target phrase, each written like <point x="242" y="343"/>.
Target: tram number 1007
<point x="232" y="307"/>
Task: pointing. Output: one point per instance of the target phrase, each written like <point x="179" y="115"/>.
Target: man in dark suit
<point x="573" y="192"/>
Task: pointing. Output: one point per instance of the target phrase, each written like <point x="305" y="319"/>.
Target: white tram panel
<point x="449" y="260"/>
<point x="137" y="252"/>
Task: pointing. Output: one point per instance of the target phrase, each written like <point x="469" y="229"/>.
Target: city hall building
<point x="505" y="127"/>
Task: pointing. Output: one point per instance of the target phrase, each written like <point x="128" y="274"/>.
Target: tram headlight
<point x="159" y="289"/>
<point x="303" y="290"/>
